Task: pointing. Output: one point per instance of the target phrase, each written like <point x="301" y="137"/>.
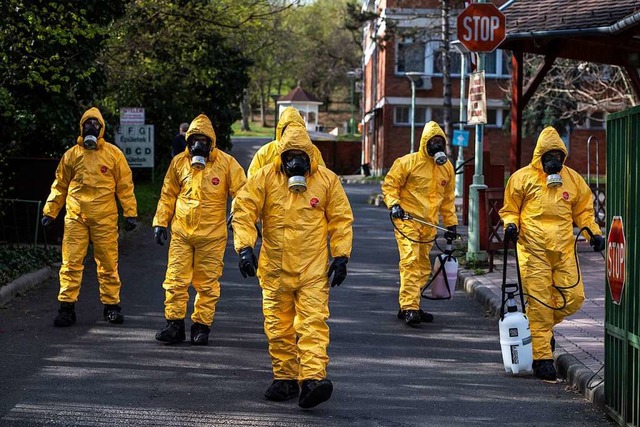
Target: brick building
<point x="406" y="38"/>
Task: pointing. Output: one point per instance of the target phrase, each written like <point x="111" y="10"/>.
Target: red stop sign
<point x="481" y="27"/>
<point x="616" y="261"/>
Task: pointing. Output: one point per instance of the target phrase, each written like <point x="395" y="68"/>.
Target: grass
<point x="147" y="196"/>
<point x="256" y="130"/>
<point x="18" y="260"/>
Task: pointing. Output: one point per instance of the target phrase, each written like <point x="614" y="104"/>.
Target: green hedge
<point x="16" y="261"/>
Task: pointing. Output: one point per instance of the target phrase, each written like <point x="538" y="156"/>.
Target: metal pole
<point x="474" y="253"/>
<point x="413" y="114"/>
<point x="353" y="119"/>
<point x="462" y="119"/>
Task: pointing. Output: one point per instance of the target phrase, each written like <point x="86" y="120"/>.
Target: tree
<point x="571" y="92"/>
<point x="174" y="59"/>
<point x="49" y="72"/>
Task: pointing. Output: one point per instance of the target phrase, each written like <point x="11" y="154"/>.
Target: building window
<point x="402" y="115"/>
<point x="410" y="57"/>
<point x="496" y="63"/>
<point x="437" y="115"/>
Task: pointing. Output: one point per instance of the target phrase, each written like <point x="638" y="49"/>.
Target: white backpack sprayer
<point x="445" y="267"/>
<point x="515" y="336"/>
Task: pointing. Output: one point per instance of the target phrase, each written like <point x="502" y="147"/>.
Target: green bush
<point x="16" y="261"/>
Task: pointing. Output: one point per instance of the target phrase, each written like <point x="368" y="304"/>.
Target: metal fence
<point x="622" y="321"/>
<point x="20" y="222"/>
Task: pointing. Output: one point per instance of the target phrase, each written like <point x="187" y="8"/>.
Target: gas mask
<point x="199" y="149"/>
<point x="90" y="133"/>
<point x="296" y="165"/>
<point x="552" y="165"/>
<point x="435" y="149"/>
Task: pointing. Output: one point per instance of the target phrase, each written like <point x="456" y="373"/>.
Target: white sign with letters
<point x="131" y="116"/>
<point x="136" y="142"/>
<point x="477" y="105"/>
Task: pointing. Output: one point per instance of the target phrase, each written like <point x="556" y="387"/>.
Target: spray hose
<point x="421" y="221"/>
<point x="518" y="285"/>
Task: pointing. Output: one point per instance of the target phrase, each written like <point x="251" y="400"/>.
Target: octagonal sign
<point x="616" y="260"/>
<point x="481" y="27"/>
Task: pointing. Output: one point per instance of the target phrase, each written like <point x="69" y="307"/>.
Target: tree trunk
<point x="245" y="109"/>
<point x="446" y="75"/>
<point x="263" y="108"/>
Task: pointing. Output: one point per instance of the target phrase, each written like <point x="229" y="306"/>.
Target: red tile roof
<point x="299" y="95"/>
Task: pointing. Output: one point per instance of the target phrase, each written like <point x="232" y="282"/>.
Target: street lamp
<point x="352" y="78"/>
<point x="413" y="76"/>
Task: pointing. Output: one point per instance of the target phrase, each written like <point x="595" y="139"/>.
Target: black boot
<point x="173" y="332"/>
<point x="411" y="317"/>
<point x="111" y="314"/>
<point x="425" y="317"/>
<point x="200" y="334"/>
<point x="545" y="370"/>
<point x="314" y="392"/>
<point x="66" y="315"/>
<point x="281" y="390"/>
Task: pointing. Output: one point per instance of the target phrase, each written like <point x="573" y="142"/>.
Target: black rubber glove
<point x="229" y="219"/>
<point x="130" y="224"/>
<point x="397" y="212"/>
<point x="47" y="221"/>
<point x="598" y="243"/>
<point x="339" y="270"/>
<point x="160" y="234"/>
<point x="511" y="233"/>
<point x="248" y="262"/>
<point x="451" y="234"/>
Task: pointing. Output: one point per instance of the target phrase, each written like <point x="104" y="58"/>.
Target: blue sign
<point x="460" y="138"/>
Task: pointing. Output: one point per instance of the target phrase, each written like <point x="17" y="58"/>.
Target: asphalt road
<point x="384" y="372"/>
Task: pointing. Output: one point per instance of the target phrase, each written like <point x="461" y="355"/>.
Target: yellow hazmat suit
<point x="294" y="260"/>
<point x="88" y="181"/>
<point x="195" y="203"/>
<point x="545" y="217"/>
<point x="269" y="152"/>
<point x="423" y="189"/>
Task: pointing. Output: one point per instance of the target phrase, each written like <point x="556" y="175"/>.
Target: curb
<point x="22" y="284"/>
<point x="574" y="372"/>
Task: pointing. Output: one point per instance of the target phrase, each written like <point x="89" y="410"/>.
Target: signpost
<point x="477" y="102"/>
<point x="131" y="116"/>
<point x="616" y="260"/>
<point x="136" y="142"/>
<point x="481" y="27"/>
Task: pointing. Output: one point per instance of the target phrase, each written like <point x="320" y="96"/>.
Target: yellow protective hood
<point x="201" y="125"/>
<point x="430" y="130"/>
<point x="92" y="113"/>
<point x="296" y="138"/>
<point x="548" y="140"/>
<point x="289" y="115"/>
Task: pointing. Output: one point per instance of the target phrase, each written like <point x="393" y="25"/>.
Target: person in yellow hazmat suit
<point x="193" y="201"/>
<point x="542" y="201"/>
<point x="301" y="205"/>
<point x="270" y="151"/>
<point x="90" y="176"/>
<point x="420" y="184"/>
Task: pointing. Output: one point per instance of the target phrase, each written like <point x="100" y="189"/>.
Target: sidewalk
<point x="579" y="338"/>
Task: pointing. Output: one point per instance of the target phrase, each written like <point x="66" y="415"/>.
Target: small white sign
<point x="131" y="116"/>
<point x="477" y="105"/>
<point x="136" y="142"/>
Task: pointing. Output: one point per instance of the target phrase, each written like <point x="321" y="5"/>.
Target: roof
<point x="299" y="95"/>
<point x="552" y="15"/>
<point x="600" y="31"/>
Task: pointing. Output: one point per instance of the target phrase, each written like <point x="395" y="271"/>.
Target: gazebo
<point x="306" y="103"/>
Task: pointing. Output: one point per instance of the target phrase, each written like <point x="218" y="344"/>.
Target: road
<point x="384" y="372"/>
